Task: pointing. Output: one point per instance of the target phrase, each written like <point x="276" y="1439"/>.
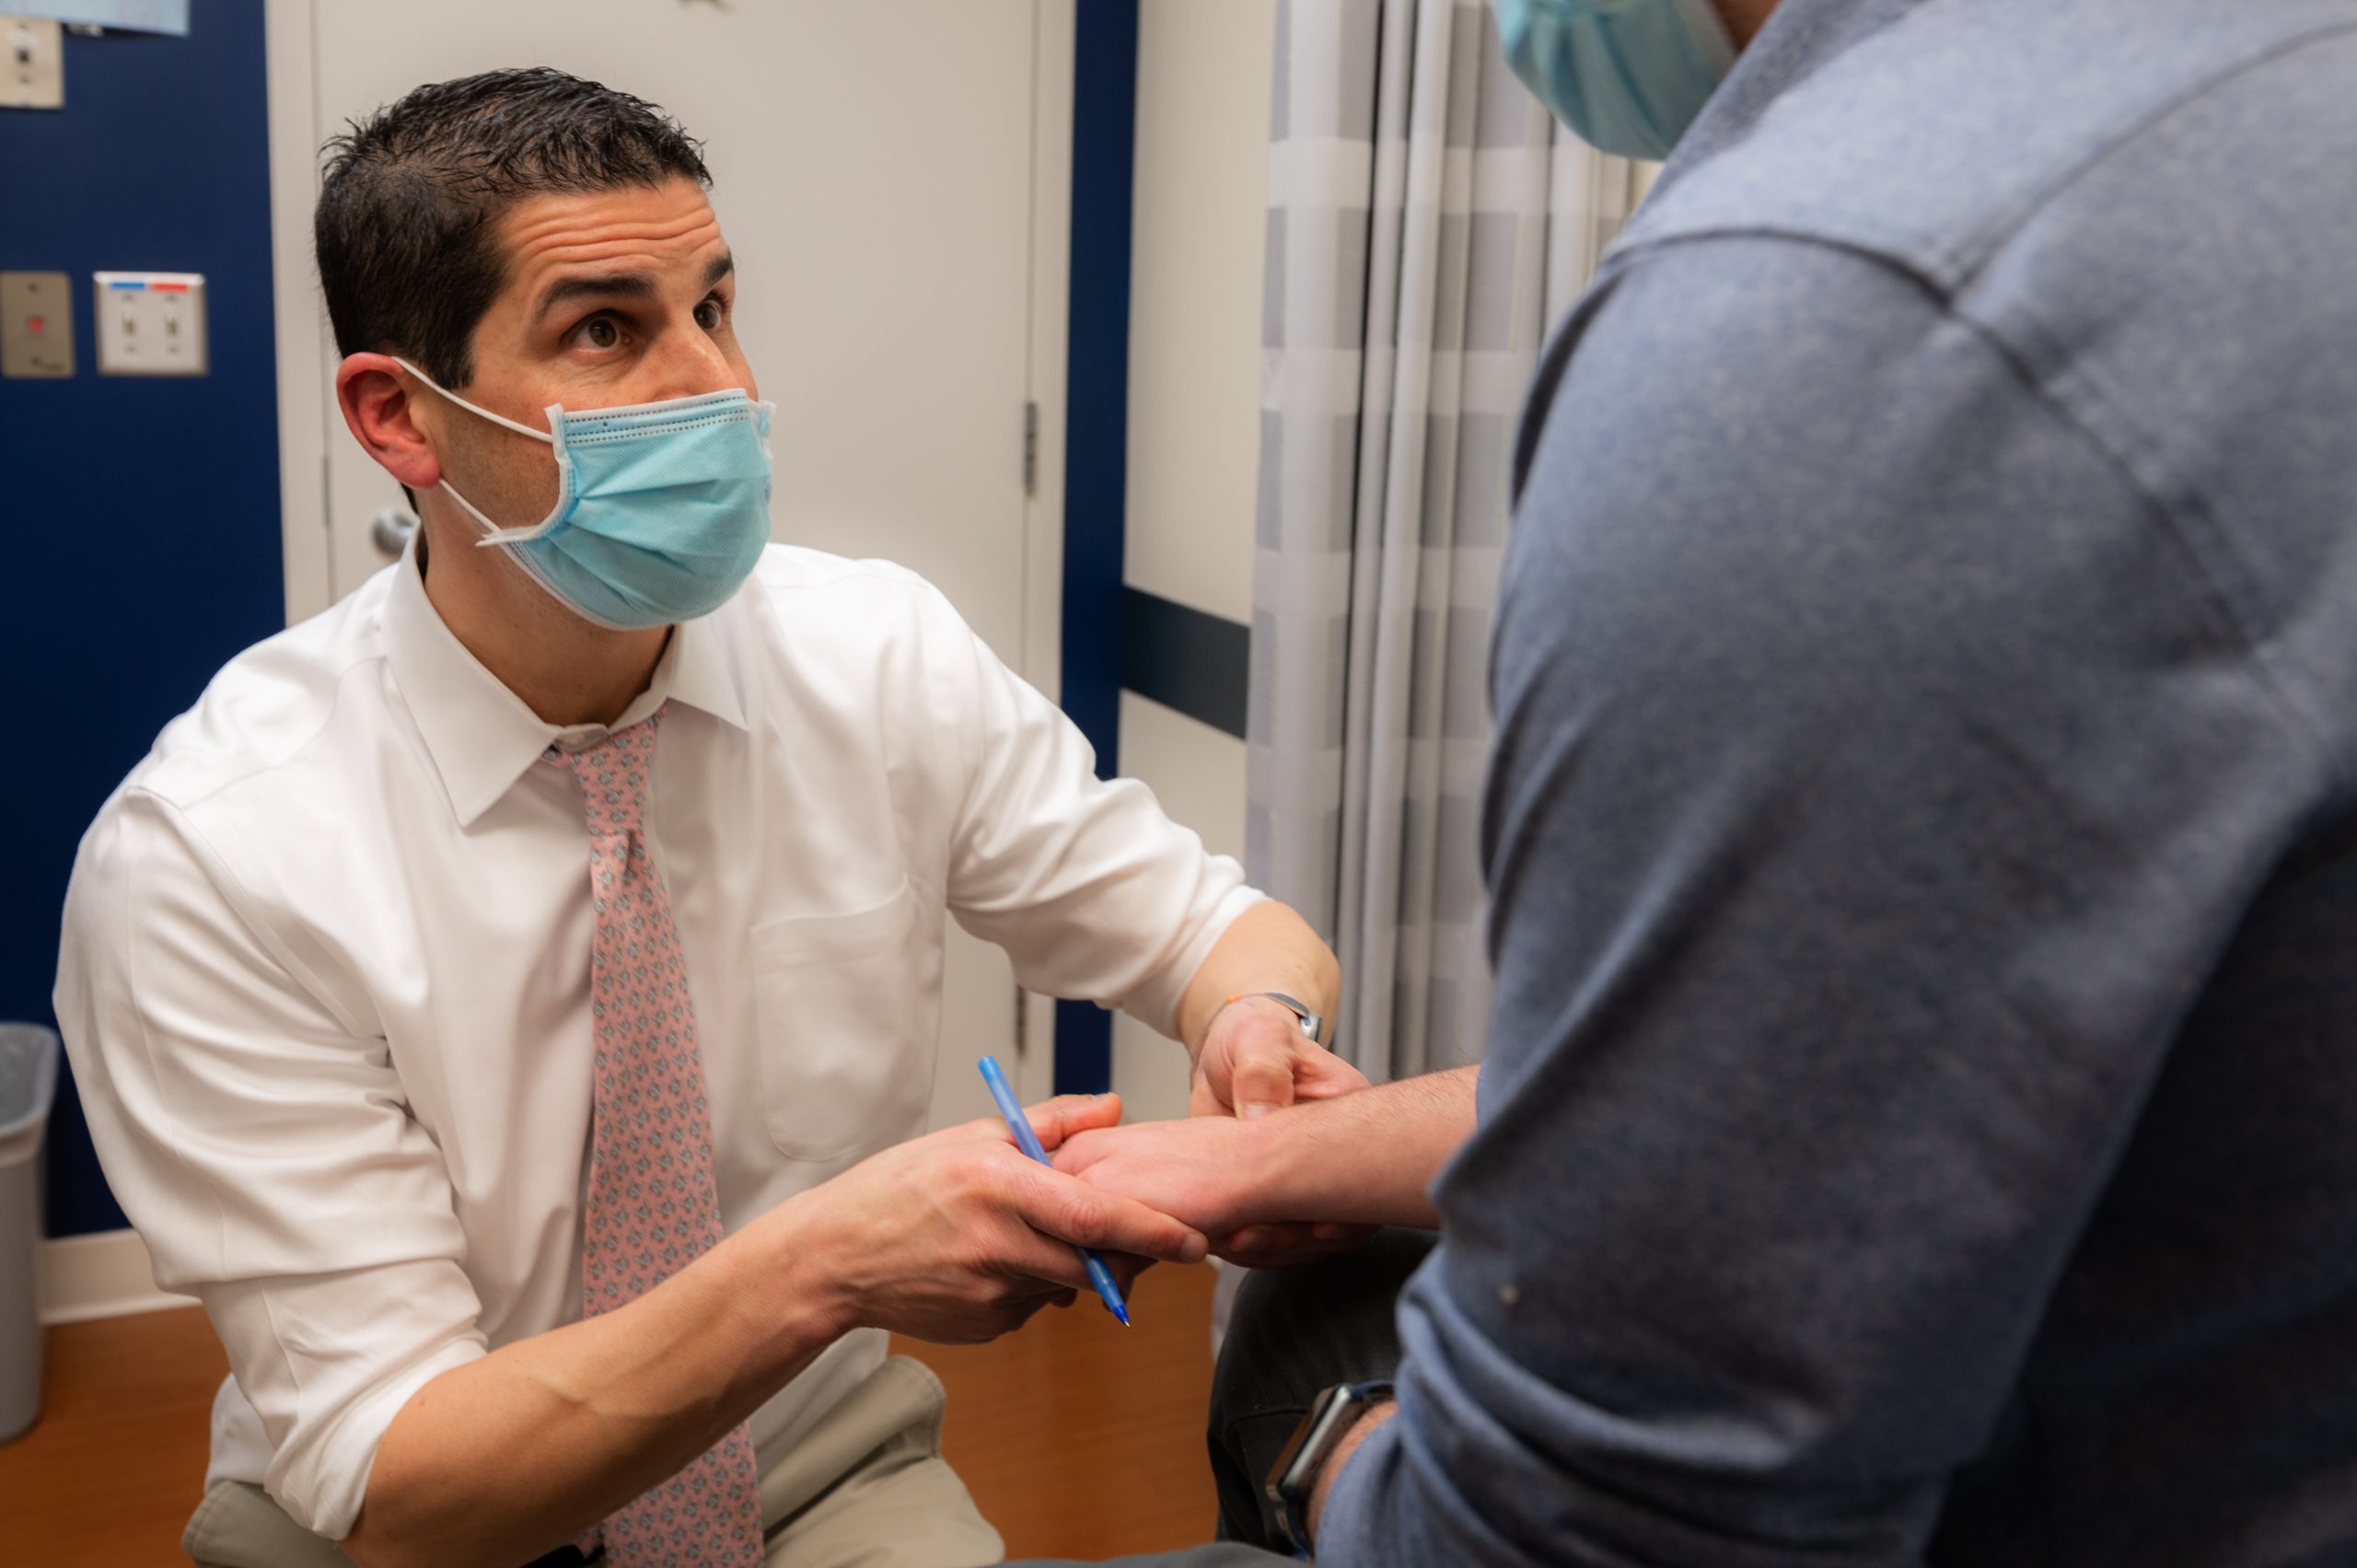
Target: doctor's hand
<point x="1255" y="1060"/>
<point x="1221" y="1175"/>
<point x="958" y="1237"/>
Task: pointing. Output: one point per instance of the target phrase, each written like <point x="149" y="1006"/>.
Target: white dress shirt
<point x="325" y="976"/>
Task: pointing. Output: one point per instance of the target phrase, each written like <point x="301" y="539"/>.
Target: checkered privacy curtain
<point x="1427" y="221"/>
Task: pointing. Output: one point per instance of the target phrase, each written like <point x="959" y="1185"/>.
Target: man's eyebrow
<point x="626" y="285"/>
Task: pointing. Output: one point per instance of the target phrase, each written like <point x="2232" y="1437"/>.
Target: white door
<point x="873" y="172"/>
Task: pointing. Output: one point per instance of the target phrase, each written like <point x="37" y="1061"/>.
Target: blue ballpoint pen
<point x="1020" y="1125"/>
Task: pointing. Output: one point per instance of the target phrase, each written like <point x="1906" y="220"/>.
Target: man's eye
<point x="709" y="315"/>
<point x="600" y="332"/>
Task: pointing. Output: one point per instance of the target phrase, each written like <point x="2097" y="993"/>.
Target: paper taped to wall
<point x="134" y="16"/>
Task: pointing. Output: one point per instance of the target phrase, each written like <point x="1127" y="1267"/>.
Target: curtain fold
<point x="1427" y="220"/>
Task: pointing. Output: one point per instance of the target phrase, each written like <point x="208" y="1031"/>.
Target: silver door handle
<point x="390" y="529"/>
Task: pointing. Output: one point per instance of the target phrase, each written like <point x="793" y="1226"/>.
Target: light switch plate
<point x="36" y="324"/>
<point x="32" y="63"/>
<point x="149" y="323"/>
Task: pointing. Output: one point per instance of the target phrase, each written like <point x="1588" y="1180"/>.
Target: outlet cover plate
<point x="32" y="63"/>
<point x="149" y="323"/>
<point x="36" y="325"/>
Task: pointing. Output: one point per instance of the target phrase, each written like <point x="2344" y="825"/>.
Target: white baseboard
<point x="104" y="1274"/>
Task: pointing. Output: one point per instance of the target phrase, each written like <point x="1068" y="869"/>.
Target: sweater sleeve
<point x="1877" y="782"/>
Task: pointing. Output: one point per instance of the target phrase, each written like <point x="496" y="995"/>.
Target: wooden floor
<point x="1077" y="1437"/>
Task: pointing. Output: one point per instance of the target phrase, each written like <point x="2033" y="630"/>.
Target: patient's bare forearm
<point x="1370" y="1157"/>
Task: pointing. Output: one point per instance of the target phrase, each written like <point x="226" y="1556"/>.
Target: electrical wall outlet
<point x="36" y="324"/>
<point x="32" y="63"/>
<point x="149" y="323"/>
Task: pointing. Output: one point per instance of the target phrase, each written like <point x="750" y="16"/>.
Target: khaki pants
<point x="867" y="1489"/>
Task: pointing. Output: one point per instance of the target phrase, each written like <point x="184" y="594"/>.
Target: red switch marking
<point x="32" y="323"/>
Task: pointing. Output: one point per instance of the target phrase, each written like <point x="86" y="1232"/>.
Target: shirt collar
<point x="481" y="735"/>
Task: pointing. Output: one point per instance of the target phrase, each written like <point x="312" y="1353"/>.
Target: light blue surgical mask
<point x="662" y="509"/>
<point x="1628" y="77"/>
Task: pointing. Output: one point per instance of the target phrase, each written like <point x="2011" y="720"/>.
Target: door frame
<point x="306" y="371"/>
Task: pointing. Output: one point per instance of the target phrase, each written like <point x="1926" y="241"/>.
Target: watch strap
<point x="1330" y="1417"/>
<point x="1313" y="1024"/>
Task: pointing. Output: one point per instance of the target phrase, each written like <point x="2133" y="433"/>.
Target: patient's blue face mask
<point x="662" y="509"/>
<point x="1628" y="77"/>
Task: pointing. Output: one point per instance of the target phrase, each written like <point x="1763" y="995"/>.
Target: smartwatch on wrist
<point x="1293" y="1477"/>
<point x="1312" y="1023"/>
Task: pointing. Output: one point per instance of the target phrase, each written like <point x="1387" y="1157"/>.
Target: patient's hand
<point x="1217" y="1175"/>
<point x="959" y="1237"/>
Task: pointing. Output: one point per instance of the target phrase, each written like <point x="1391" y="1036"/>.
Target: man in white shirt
<point x="336" y="953"/>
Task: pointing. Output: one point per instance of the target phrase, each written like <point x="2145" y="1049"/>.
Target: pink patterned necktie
<point x="652" y="1205"/>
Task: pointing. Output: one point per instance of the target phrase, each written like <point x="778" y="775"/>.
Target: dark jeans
<point x="1293" y="1332"/>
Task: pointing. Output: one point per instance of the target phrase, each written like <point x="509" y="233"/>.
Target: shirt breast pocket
<point x="842" y="1004"/>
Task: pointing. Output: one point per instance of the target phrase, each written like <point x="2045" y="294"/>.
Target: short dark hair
<point x="404" y="225"/>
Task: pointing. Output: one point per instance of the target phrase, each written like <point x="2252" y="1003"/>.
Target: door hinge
<point x="1031" y="448"/>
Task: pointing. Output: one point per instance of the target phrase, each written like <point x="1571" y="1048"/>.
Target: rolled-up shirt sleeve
<point x="1092" y="890"/>
<point x="262" y="1149"/>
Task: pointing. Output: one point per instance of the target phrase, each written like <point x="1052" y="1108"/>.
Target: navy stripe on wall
<point x="1116" y="636"/>
<point x="1185" y="659"/>
<point x="1104" y="131"/>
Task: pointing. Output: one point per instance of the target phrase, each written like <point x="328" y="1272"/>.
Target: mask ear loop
<point x="493" y="532"/>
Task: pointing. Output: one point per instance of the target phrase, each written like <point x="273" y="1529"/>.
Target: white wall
<point x="1197" y="774"/>
<point x="1198" y="249"/>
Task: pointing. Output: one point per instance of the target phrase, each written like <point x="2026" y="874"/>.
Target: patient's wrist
<point x="1281" y="1167"/>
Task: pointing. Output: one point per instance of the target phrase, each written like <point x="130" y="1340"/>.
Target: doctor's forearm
<point x="1268" y="947"/>
<point x="508" y="1456"/>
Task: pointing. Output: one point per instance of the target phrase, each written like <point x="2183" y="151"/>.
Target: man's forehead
<point x="667" y="224"/>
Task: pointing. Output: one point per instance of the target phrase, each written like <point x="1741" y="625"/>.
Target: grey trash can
<point x="27" y="1085"/>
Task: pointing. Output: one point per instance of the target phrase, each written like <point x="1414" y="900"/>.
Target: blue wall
<point x="142" y="522"/>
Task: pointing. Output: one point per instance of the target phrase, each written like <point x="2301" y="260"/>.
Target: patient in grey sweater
<point x="1921" y="1116"/>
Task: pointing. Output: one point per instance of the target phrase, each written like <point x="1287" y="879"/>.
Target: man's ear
<point x="374" y="393"/>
